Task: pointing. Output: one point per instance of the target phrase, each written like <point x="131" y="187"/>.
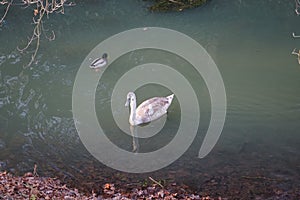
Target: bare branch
<point x="3" y="2"/>
<point x="30" y="40"/>
<point x="177" y="2"/>
<point x="42" y="7"/>
<point x="156" y="182"/>
<point x="50" y="37"/>
<point x="295" y="36"/>
<point x="6" y="10"/>
<point x="297" y="6"/>
<point x="294" y="52"/>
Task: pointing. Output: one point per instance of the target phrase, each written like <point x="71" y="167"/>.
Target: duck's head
<point x="104" y="56"/>
<point x="130" y="97"/>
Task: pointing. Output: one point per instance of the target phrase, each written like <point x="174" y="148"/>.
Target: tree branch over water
<point x="42" y="8"/>
<point x="6" y="10"/>
<point x="297" y="2"/>
<point x="295" y="52"/>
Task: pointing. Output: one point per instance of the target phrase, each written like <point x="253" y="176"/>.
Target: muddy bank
<point x="30" y="186"/>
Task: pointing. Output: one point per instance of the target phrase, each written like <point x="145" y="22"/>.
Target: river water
<point x="250" y="42"/>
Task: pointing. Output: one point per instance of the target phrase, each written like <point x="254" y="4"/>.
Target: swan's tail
<point x="170" y="98"/>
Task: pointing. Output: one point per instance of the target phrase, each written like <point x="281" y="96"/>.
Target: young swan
<point x="149" y="110"/>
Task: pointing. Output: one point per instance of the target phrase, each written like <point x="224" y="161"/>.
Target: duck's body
<point x="99" y="62"/>
<point x="149" y="110"/>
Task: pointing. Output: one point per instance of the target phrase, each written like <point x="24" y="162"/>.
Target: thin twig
<point x="3" y="2"/>
<point x="295" y="36"/>
<point x="6" y="10"/>
<point x="177" y="2"/>
<point x="297" y="6"/>
<point x="156" y="182"/>
<point x="35" y="170"/>
<point x="49" y="37"/>
<point x="261" y="178"/>
<point x="42" y="7"/>
<point x="294" y="52"/>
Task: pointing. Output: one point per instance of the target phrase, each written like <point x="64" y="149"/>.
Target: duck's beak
<point x="127" y="102"/>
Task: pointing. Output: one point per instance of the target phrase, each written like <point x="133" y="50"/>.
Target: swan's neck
<point x="132" y="116"/>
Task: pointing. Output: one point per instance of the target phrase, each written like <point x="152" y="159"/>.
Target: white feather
<point x="149" y="110"/>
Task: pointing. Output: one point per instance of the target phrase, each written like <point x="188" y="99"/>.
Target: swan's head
<point x="130" y="98"/>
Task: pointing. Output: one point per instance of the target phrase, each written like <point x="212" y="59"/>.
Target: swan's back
<point x="153" y="108"/>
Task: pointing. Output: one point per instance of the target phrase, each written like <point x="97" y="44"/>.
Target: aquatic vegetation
<point x="175" y="5"/>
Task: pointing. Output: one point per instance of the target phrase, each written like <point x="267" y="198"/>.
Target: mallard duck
<point x="99" y="62"/>
<point x="149" y="110"/>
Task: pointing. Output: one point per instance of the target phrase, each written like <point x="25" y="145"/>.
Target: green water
<point x="251" y="43"/>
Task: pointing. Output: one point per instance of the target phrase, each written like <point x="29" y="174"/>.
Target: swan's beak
<point x="127" y="102"/>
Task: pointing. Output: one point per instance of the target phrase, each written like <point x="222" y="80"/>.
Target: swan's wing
<point x="153" y="108"/>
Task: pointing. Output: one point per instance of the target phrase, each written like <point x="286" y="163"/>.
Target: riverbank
<point x="30" y="186"/>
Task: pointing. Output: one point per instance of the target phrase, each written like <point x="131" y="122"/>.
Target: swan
<point x="149" y="110"/>
<point x="99" y="62"/>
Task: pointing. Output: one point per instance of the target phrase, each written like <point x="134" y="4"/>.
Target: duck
<point x="99" y="62"/>
<point x="147" y="111"/>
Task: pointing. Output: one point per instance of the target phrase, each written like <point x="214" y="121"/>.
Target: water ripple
<point x="2" y="59"/>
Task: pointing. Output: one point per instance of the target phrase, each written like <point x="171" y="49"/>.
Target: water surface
<point x="251" y="43"/>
